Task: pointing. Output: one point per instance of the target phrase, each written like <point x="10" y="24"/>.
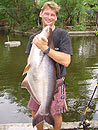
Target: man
<point x="61" y="54"/>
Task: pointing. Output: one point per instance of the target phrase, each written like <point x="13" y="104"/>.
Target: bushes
<point x="24" y="14"/>
<point x="78" y="28"/>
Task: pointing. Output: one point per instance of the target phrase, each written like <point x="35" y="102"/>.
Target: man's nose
<point x="49" y="16"/>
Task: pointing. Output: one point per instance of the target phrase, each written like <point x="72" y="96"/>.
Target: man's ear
<point x="56" y="19"/>
<point x="40" y="14"/>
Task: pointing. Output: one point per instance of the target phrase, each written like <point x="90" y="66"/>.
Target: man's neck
<point x="52" y="27"/>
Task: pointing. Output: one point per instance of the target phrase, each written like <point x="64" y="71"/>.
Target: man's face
<point x="48" y="17"/>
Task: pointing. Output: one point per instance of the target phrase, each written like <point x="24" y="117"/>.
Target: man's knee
<point x="58" y="121"/>
<point x="33" y="113"/>
<point x="39" y="126"/>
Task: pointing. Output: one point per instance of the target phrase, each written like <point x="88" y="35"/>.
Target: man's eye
<point x="46" y="13"/>
<point x="52" y="15"/>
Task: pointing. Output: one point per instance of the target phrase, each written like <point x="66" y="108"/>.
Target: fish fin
<point x="38" y="118"/>
<point x="26" y="85"/>
<point x="26" y="69"/>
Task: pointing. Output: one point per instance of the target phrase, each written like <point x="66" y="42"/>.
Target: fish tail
<point x="49" y="119"/>
<point x="40" y="118"/>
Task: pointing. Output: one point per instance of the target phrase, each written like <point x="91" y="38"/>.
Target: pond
<point x="81" y="80"/>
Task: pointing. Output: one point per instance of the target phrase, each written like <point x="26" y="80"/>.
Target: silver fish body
<point x="41" y="80"/>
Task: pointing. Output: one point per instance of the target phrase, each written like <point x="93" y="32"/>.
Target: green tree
<point x="24" y="14"/>
<point x="92" y="5"/>
<point x="21" y="14"/>
<point x="71" y="11"/>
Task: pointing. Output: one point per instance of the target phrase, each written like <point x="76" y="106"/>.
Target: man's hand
<point x="41" y="43"/>
<point x="59" y="57"/>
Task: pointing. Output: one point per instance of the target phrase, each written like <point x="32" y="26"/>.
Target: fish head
<point x="46" y="32"/>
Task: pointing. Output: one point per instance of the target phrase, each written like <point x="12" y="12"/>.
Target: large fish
<point x="40" y="80"/>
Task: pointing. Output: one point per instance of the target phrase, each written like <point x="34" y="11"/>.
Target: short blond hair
<point x="52" y="5"/>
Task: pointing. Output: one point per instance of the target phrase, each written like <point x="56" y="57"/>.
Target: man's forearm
<point x="60" y="57"/>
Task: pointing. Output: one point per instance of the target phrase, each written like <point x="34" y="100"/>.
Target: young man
<point x="61" y="54"/>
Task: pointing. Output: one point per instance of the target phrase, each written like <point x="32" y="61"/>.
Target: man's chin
<point x="49" y="24"/>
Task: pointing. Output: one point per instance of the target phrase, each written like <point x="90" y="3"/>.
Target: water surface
<point x="81" y="80"/>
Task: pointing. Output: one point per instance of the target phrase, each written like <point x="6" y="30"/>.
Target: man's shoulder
<point x="33" y="35"/>
<point x="61" y="29"/>
<point x="59" y="32"/>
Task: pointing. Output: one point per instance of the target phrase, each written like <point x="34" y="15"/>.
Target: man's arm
<point x="59" y="57"/>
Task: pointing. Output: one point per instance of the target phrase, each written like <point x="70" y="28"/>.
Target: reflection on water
<point x="11" y="112"/>
<point x="81" y="79"/>
<point x="87" y="49"/>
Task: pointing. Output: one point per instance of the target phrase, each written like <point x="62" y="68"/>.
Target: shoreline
<point x="65" y="126"/>
<point x="71" y="33"/>
<point x="82" y="33"/>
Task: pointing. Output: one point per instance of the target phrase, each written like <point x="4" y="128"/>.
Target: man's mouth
<point x="49" y="22"/>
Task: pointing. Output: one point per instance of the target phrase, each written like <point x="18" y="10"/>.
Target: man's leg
<point x="33" y="106"/>
<point x="58" y="105"/>
<point x="58" y="121"/>
<point x="39" y="126"/>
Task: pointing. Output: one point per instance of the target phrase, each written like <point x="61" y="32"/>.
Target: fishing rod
<point x="85" y="123"/>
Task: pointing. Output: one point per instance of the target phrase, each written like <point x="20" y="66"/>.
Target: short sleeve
<point x="65" y="43"/>
<point x="29" y="45"/>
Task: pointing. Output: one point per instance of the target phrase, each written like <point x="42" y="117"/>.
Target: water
<point x="81" y="80"/>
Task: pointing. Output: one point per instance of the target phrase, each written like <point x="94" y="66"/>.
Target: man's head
<point x="52" y="5"/>
<point x="49" y="13"/>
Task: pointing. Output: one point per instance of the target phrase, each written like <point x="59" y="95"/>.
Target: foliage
<point x="78" y="28"/>
<point x="23" y="14"/>
<point x="20" y="13"/>
<point x="91" y="5"/>
<point x="92" y="10"/>
<point x="70" y="11"/>
<point x="96" y="31"/>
